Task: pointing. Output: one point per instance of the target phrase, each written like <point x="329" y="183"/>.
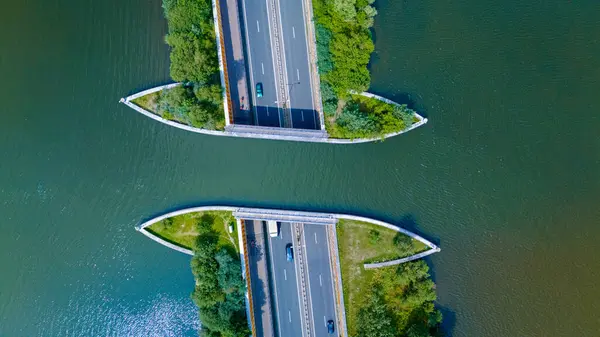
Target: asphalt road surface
<point x="286" y="284"/>
<point x="320" y="278"/>
<point x="293" y="26"/>
<point x="259" y="281"/>
<point x="260" y="61"/>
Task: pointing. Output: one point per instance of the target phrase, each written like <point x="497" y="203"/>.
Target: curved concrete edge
<point x="150" y="91"/>
<point x="433" y="248"/>
<point x="185" y="211"/>
<point x="400" y="261"/>
<point x="127" y="101"/>
<point x="422" y="121"/>
<point x="141" y="228"/>
<point x="166" y="243"/>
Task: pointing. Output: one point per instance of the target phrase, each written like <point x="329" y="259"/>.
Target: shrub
<point x="405" y="114"/>
<point x="200" y="107"/>
<point x="219" y="291"/>
<point x="404" y="244"/>
<point x="374" y="236"/>
<point x="192" y="40"/>
<point x="324" y="60"/>
<point x="356" y="122"/>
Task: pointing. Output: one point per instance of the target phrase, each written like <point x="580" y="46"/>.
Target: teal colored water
<point x="505" y="177"/>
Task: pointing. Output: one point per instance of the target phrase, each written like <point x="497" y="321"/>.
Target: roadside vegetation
<point x="191" y="36"/>
<point x="216" y="266"/>
<point x="344" y="47"/>
<point x="183" y="231"/>
<point x="200" y="106"/>
<point x="394" y="301"/>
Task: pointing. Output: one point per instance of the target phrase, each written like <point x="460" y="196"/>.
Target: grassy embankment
<point x="344" y="47"/>
<point x="194" y="62"/>
<point x="182" y="230"/>
<point x="385" y="302"/>
<point x="216" y="266"/>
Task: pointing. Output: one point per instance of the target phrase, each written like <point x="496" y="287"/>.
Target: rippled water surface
<point x="505" y="177"/>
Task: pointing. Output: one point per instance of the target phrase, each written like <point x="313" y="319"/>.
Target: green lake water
<point x="505" y="177"/>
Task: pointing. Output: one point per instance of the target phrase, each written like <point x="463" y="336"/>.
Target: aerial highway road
<point x="320" y="278"/>
<point x="261" y="62"/>
<point x="286" y="295"/>
<point x="293" y="26"/>
<point x="259" y="281"/>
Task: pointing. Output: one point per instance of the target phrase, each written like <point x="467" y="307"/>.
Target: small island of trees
<point x="395" y="301"/>
<point x="344" y="47"/>
<point x="216" y="266"/>
<point x="198" y="102"/>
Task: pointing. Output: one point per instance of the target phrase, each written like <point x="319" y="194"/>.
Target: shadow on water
<point x="403" y="98"/>
<point x="148" y="85"/>
<point x="407" y="221"/>
<point x="448" y="321"/>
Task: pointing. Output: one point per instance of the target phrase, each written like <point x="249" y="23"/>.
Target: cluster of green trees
<point x="194" y="62"/>
<point x="344" y="47"/>
<point x="219" y="291"/>
<point x="400" y="304"/>
<point x="369" y="117"/>
<point x="199" y="106"/>
<point x="344" y="43"/>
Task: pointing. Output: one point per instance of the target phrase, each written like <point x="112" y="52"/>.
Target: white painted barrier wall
<point x="258" y="134"/>
<point x="319" y="218"/>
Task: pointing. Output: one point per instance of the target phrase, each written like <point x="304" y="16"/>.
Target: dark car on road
<point x="259" y="90"/>
<point x="330" y="327"/>
<point x="289" y="252"/>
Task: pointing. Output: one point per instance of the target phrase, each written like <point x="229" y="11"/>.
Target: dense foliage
<point x="344" y="44"/>
<point x="200" y="107"/>
<point x="368" y="117"/>
<point x="219" y="291"/>
<point x="400" y="303"/>
<point x="395" y="301"/>
<point x="194" y="62"/>
<point x="192" y="40"/>
<point x="344" y="47"/>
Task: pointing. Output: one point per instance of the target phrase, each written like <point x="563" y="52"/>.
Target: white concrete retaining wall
<point x="142" y="227"/>
<point x="166" y="243"/>
<point x="319" y="218"/>
<point x="150" y="91"/>
<point x="127" y="101"/>
<point x="433" y="248"/>
<point x="267" y="134"/>
<point x="422" y="121"/>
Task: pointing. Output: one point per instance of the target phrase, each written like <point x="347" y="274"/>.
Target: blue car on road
<point x="259" y="89"/>
<point x="330" y="327"/>
<point x="289" y="252"/>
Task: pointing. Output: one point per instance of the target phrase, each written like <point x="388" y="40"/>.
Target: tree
<point x="374" y="319"/>
<point x="374" y="236"/>
<point x="404" y="244"/>
<point x="192" y="40"/>
<point x="405" y="114"/>
<point x="350" y="53"/>
<point x="230" y="274"/>
<point x="355" y="121"/>
<point x="211" y="94"/>
<point x="324" y="60"/>
<point x="346" y="9"/>
<point x="417" y="330"/>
